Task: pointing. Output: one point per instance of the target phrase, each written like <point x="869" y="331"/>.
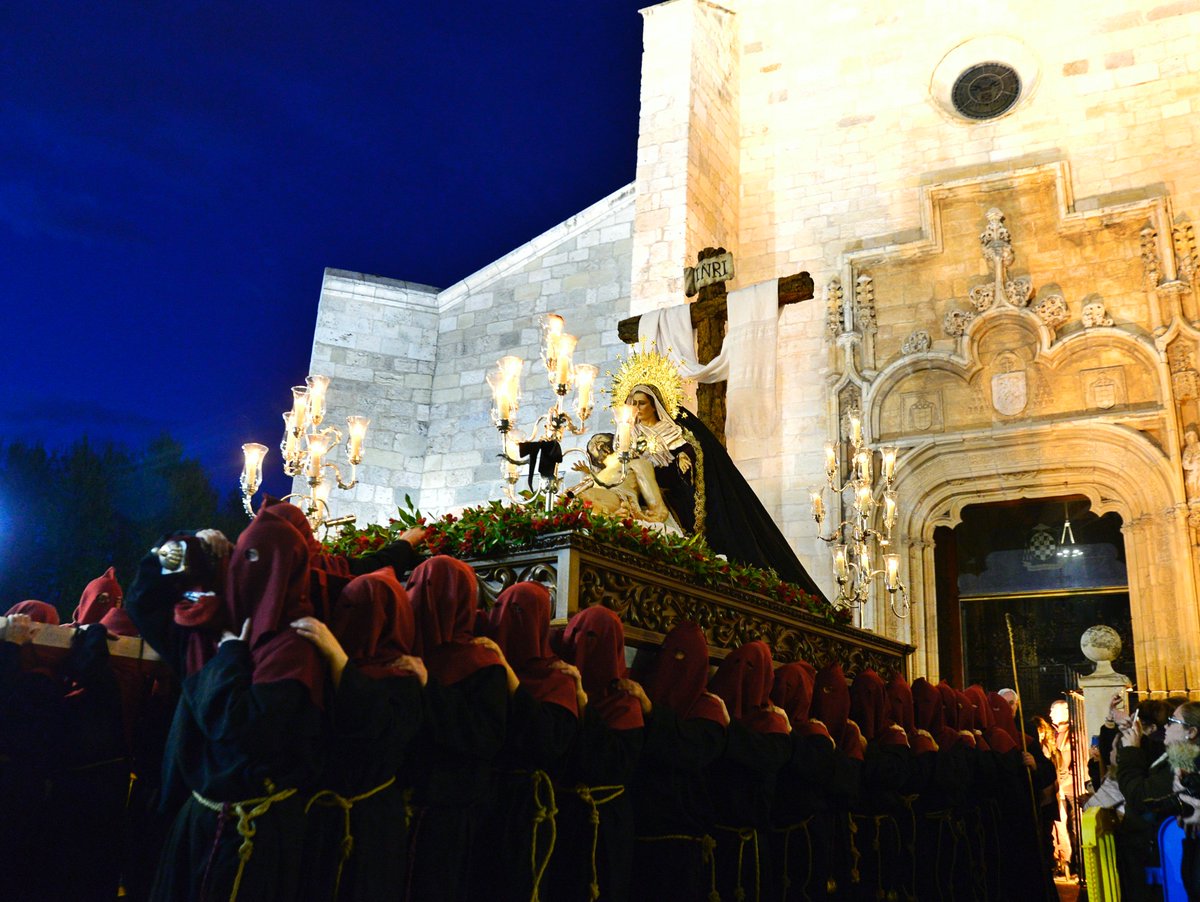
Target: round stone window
<point x="986" y="90"/>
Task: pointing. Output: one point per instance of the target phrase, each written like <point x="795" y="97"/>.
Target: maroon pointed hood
<point x="595" y="643"/>
<point x="743" y="681"/>
<point x="99" y="597"/>
<point x="831" y="699"/>
<point x="373" y="620"/>
<point x="793" y="690"/>
<point x="868" y="705"/>
<point x="520" y="624"/>
<point x="680" y="676"/>
<point x="445" y="595"/>
<point x="37" y="611"/>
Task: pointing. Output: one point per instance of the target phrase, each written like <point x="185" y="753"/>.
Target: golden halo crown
<point x="646" y="366"/>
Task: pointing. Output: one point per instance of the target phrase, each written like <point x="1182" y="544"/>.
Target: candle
<point x="889" y="463"/>
<point x="562" y="363"/>
<point x="289" y="436"/>
<point x="840" y="566"/>
<point x="625" y="415"/>
<point x="891" y="576"/>
<point x="358" y="431"/>
<point x="818" y="506"/>
<point x="862" y="465"/>
<point x="299" y="406"/>
<point x="862" y="499"/>
<point x="830" y="459"/>
<point x="889" y="510"/>
<point x="585" y="378"/>
<point x="318" y="447"/>
<point x="855" y="430"/>
<point x="252" y="468"/>
<point x="317" y="386"/>
<point x="321" y="493"/>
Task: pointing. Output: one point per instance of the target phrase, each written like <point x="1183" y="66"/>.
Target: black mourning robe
<point x="741" y="783"/>
<point x="803" y="820"/>
<point x="601" y="759"/>
<point x="462" y="731"/>
<point x="670" y="799"/>
<point x="538" y="738"/>
<point x="1024" y="872"/>
<point x="735" y="523"/>
<point x="370" y="724"/>
<point x="884" y="832"/>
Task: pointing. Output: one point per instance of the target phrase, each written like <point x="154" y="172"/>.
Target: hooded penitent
<point x="267" y="584"/>
<point x="37" y="611"/>
<point x="900" y="709"/>
<point x="793" y="691"/>
<point x="744" y="680"/>
<point x="520" y="624"/>
<point x="594" y="642"/>
<point x="374" y="623"/>
<point x="445" y="596"/>
<point x="831" y="700"/>
<point x="955" y="716"/>
<point x="680" y="675"/>
<point x="1002" y="717"/>
<point x="99" y="597"/>
<point x="869" y="709"/>
<point x="927" y="707"/>
<point x="981" y="715"/>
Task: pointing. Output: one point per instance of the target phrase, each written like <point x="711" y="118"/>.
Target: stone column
<point x="1100" y="644"/>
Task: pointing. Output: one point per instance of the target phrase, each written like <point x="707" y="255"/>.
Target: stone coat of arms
<point x="1010" y="390"/>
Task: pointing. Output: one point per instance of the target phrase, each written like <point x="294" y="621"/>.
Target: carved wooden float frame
<point x="651" y="597"/>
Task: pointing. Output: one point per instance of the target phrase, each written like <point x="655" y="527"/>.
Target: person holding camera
<point x="1183" y="750"/>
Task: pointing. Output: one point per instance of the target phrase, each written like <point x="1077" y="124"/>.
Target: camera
<point x="1172" y="805"/>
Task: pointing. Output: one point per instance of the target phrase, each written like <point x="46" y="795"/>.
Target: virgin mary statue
<point x="700" y="483"/>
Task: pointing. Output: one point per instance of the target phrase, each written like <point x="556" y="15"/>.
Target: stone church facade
<point x="1010" y="297"/>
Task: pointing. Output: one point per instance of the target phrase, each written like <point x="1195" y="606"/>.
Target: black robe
<point x="735" y="522"/>
<point x="884" y="823"/>
<point x="369" y="727"/>
<point x="742" y="783"/>
<point x="462" y="731"/>
<point x="670" y="799"/>
<point x="601" y="760"/>
<point x="537" y="739"/>
<point x="802" y="818"/>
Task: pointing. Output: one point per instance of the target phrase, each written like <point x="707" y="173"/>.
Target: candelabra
<point x="543" y="448"/>
<point x="855" y="541"/>
<point x="306" y="448"/>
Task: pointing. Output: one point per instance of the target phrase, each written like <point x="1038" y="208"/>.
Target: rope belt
<point x="707" y="846"/>
<point x="545" y="810"/>
<point x="745" y="835"/>
<point x="787" y="840"/>
<point x="247" y="811"/>
<point x="910" y="891"/>
<point x="945" y="819"/>
<point x="855" y="855"/>
<point x="330" y="799"/>
<point x="588" y="795"/>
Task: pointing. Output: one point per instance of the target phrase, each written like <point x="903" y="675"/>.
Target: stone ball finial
<point x="1101" y="644"/>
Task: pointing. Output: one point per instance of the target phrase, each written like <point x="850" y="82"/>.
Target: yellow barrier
<point x="1100" y="854"/>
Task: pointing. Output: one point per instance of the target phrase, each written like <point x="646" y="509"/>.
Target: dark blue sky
<point x="175" y="176"/>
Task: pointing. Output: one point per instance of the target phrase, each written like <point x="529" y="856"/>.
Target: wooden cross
<point x="710" y="314"/>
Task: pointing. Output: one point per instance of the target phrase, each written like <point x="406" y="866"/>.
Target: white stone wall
<point x="413" y="358"/>
<point x="377" y="339"/>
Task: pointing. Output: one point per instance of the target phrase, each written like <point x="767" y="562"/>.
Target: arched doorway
<point x="1050" y="566"/>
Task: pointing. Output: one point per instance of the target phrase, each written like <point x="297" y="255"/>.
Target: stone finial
<point x="982" y="297"/>
<point x="1100" y="644"/>
<point x="1151" y="264"/>
<point x="996" y="240"/>
<point x="1095" y="315"/>
<point x="1052" y="310"/>
<point x="834" y="322"/>
<point x="956" y="321"/>
<point x="1019" y="291"/>
<point x="864" y="304"/>
<point x="1185" y="251"/>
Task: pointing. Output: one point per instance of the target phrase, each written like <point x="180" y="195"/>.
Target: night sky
<point x="175" y="176"/>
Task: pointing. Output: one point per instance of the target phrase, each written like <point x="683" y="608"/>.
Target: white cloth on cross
<point x="746" y="361"/>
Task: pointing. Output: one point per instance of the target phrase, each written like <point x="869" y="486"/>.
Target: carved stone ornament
<point x="982" y="297"/>
<point x="917" y="343"/>
<point x="864" y="304"/>
<point x="833" y="307"/>
<point x="1095" y="315"/>
<point x="1185" y="252"/>
<point x="956" y="321"/>
<point x="1019" y="291"/>
<point x="1185" y="385"/>
<point x="1010" y="387"/>
<point x="996" y="241"/>
<point x="922" y="414"/>
<point x="1151" y="264"/>
<point x="1052" y="310"/>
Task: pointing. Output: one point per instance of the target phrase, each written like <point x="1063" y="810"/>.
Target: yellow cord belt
<point x="745" y="835"/>
<point x="594" y="797"/>
<point x="707" y="846"/>
<point x="330" y="799"/>
<point x="247" y="811"/>
<point x="787" y="841"/>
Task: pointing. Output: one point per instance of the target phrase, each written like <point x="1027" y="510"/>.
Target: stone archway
<point x="1117" y="469"/>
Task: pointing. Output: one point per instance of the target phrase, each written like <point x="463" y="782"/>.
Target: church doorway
<point x="1051" y="565"/>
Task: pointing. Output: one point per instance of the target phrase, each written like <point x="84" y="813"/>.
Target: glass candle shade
<point x="585" y="379"/>
<point x="318" y="447"/>
<point x="317" y="387"/>
<point x="253" y="454"/>
<point x="299" y="406"/>
<point x="357" y="429"/>
<point x="625" y="415"/>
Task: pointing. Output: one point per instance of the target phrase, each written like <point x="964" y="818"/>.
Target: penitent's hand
<point x="412" y="664"/>
<point x="415" y="536"/>
<point x="513" y="682"/>
<point x="572" y="671"/>
<point x="220" y="546"/>
<point x="635" y="689"/>
<point x="19" y="629"/>
<point x="227" y="636"/>
<point x="327" y="644"/>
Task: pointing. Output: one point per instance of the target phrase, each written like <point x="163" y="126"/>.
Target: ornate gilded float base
<point x="651" y="598"/>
